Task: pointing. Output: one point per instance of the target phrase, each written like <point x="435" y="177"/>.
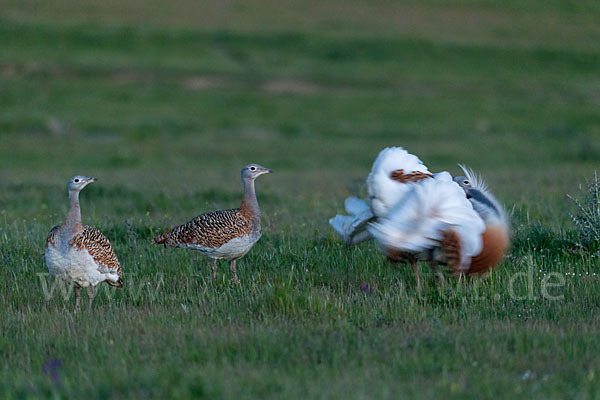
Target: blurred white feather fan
<point x="422" y="219"/>
<point x="393" y="169"/>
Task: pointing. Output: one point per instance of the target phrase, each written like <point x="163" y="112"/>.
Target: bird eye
<point x="252" y="168"/>
<point x="76" y="181"/>
<point x="466" y="182"/>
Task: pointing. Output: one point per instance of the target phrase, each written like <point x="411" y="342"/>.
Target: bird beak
<point x="92" y="179"/>
<point x="268" y="171"/>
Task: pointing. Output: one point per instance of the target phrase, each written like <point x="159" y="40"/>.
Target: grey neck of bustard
<point x="249" y="202"/>
<point x="73" y="220"/>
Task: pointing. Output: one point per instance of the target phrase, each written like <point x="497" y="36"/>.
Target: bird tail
<point x="118" y="283"/>
<point x="395" y="158"/>
<point x="160" y="239"/>
<point x="386" y="184"/>
<point x="352" y="228"/>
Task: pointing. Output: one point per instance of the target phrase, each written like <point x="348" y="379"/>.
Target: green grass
<point x="166" y="104"/>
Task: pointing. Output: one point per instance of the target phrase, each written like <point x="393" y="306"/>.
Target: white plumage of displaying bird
<point x="415" y="215"/>
<point x="80" y="254"/>
<point x="391" y="176"/>
<point x="224" y="234"/>
<point x="393" y="171"/>
<point x="433" y="221"/>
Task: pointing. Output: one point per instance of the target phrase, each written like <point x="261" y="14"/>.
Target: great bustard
<point x="78" y="253"/>
<point x="414" y="215"/>
<point x="224" y="234"/>
<point x="433" y="222"/>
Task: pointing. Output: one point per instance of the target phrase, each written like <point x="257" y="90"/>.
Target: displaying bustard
<point x="415" y="215"/>
<point x="80" y="254"/>
<point x="224" y="234"/>
<point x="433" y="222"/>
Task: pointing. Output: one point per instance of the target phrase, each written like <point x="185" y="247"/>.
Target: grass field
<point x="165" y="104"/>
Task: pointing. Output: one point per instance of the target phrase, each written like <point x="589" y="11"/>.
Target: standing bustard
<point x="80" y="254"/>
<point x="224" y="234"/>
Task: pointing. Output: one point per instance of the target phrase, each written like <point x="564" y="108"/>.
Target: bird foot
<point x="440" y="281"/>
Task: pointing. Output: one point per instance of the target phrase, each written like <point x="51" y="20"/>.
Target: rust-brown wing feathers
<point x="212" y="229"/>
<point x="451" y="248"/>
<point x="414" y="176"/>
<point x="101" y="251"/>
<point x="51" y="236"/>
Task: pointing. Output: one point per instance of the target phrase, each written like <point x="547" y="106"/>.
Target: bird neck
<point x="249" y="207"/>
<point x="488" y="208"/>
<point x="72" y="223"/>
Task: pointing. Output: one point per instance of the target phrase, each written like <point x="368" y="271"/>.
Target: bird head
<point x="253" y="171"/>
<point x="78" y="182"/>
<point x="464" y="183"/>
<point x="481" y="198"/>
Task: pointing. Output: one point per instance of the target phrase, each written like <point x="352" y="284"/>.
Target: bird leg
<point x="213" y="266"/>
<point x="77" y="296"/>
<point x="91" y="295"/>
<point x="234" y="270"/>
<point x="413" y="263"/>
<point x="441" y="281"/>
